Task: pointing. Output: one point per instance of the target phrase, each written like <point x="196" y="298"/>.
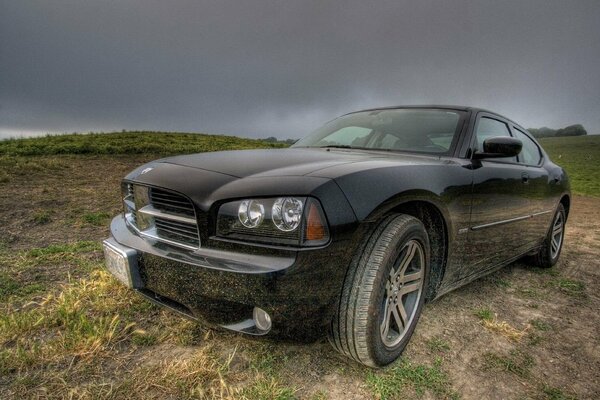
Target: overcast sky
<point x="282" y="68"/>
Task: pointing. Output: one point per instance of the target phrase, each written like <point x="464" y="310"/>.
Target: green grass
<point x="268" y="389"/>
<point x="484" y="314"/>
<point x="10" y="287"/>
<point x="516" y="362"/>
<point x="580" y="157"/>
<point x="42" y="217"/>
<point x="438" y="345"/>
<point x="541" y="325"/>
<point x="553" y="393"/>
<point x="570" y="287"/>
<point x="96" y="218"/>
<point x="405" y="375"/>
<point x="160" y="143"/>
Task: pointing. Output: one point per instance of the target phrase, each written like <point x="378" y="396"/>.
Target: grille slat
<point x="171" y="202"/>
<point x="166" y="211"/>
<point x="159" y="205"/>
<point x="156" y="199"/>
<point x="188" y="230"/>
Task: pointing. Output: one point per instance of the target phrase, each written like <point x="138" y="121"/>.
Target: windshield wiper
<point x="337" y="146"/>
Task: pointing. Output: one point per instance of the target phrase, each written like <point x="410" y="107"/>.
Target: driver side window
<point x="489" y="127"/>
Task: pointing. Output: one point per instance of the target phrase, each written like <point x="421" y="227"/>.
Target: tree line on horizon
<point x="571" y="130"/>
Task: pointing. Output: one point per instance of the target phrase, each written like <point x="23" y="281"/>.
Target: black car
<point x="347" y="232"/>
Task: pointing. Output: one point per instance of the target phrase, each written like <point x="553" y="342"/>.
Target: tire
<point x="548" y="255"/>
<point x="358" y="330"/>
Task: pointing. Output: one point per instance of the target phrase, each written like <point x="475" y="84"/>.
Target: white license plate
<point x="117" y="264"/>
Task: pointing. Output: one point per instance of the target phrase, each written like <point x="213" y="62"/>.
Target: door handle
<point x="525" y="177"/>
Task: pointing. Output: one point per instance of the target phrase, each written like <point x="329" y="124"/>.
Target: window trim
<point x="539" y="149"/>
<point x="472" y="146"/>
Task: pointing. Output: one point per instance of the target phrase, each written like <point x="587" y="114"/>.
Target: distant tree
<point x="542" y="132"/>
<point x="271" y="139"/>
<point x="572" y="130"/>
<point x="290" y="141"/>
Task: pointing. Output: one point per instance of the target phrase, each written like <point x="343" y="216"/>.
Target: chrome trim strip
<point x="507" y="221"/>
<point x="150" y="210"/>
<point x="542" y="213"/>
<point x="221" y="260"/>
<point x="149" y="235"/>
<point x="171" y="242"/>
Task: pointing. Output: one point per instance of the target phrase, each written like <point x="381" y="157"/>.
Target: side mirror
<point x="499" y="146"/>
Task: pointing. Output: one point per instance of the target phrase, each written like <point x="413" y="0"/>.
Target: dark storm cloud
<point x="282" y="68"/>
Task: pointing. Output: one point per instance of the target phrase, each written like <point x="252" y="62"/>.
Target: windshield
<point x="412" y="130"/>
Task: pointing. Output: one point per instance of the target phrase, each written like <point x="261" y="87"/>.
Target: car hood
<point x="281" y="162"/>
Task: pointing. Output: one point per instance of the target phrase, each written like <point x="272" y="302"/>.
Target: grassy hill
<point x="160" y="143"/>
<point x="580" y="156"/>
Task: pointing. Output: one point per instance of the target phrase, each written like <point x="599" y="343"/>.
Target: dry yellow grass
<point x="505" y="329"/>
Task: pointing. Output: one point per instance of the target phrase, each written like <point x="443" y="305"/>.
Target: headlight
<point x="287" y="213"/>
<point x="295" y="221"/>
<point x="251" y="213"/>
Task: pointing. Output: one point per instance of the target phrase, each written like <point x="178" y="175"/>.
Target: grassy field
<point x="158" y="143"/>
<point x="69" y="330"/>
<point x="580" y="156"/>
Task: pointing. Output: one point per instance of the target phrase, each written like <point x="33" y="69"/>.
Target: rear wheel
<point x="548" y="254"/>
<point x="383" y="293"/>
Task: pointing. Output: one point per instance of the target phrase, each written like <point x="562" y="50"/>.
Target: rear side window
<point x="489" y="127"/>
<point x="530" y="154"/>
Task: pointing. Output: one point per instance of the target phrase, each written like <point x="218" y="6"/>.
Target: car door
<point x="500" y="208"/>
<point x="536" y="188"/>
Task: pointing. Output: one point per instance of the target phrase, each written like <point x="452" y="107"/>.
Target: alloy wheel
<point x="558" y="230"/>
<point x="403" y="290"/>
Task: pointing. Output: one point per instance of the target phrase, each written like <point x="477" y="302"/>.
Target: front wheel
<point x="383" y="293"/>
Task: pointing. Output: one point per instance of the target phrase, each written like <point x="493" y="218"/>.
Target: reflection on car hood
<point x="282" y="162"/>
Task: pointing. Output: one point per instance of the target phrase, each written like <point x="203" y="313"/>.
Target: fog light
<point x="262" y="320"/>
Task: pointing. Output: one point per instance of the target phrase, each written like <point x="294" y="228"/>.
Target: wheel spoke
<point x="411" y="287"/>
<point x="411" y="249"/>
<point x="557" y="231"/>
<point x="385" y="324"/>
<point x="402" y="313"/>
<point x="414" y="276"/>
<point x="554" y="246"/>
<point x="402" y="293"/>
<point x="398" y="317"/>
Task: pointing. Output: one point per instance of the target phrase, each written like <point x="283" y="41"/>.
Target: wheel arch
<point x="429" y="209"/>
<point x="565" y="200"/>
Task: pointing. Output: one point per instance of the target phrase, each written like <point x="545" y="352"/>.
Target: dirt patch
<point x="45" y="201"/>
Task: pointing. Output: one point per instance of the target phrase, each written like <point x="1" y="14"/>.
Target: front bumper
<point x="298" y="290"/>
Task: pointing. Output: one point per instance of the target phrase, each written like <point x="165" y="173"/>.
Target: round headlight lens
<point x="251" y="213"/>
<point x="287" y="213"/>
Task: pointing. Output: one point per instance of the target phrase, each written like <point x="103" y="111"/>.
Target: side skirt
<point x="444" y="289"/>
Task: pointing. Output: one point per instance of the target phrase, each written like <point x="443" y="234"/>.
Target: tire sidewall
<point x="380" y="352"/>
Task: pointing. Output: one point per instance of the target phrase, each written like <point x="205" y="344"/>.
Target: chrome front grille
<point x="177" y="231"/>
<point x="161" y="215"/>
<point x="171" y="202"/>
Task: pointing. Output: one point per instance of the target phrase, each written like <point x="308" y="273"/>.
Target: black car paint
<point x="299" y="287"/>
